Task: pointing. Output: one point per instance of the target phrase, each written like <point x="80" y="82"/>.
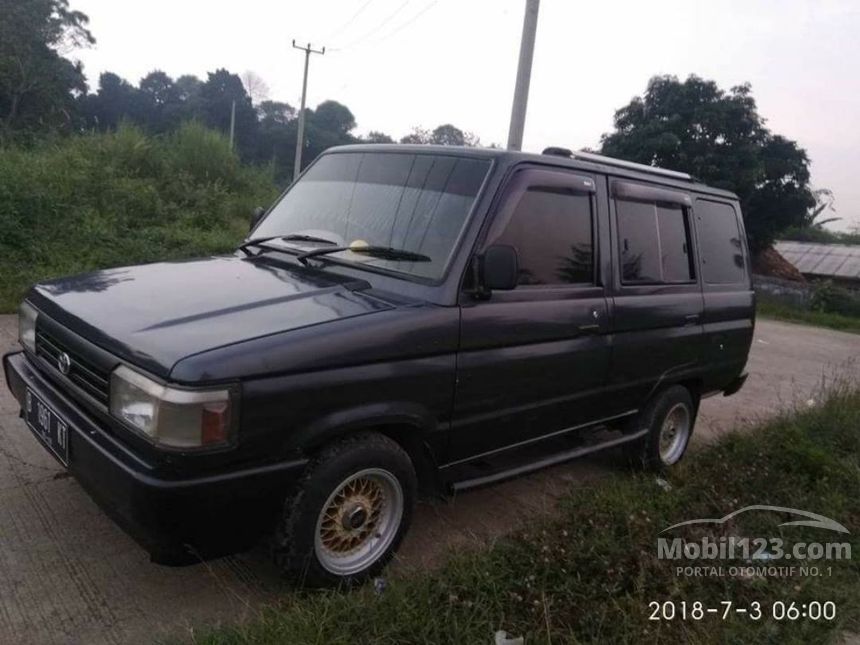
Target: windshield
<point x="415" y="203"/>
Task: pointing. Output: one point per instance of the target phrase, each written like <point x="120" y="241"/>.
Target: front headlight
<point x="170" y="416"/>
<point x="27" y="315"/>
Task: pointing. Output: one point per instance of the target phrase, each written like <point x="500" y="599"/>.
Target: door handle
<point x="692" y="319"/>
<point x="591" y="328"/>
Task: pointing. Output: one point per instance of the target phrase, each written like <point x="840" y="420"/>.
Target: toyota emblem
<point x="64" y="363"/>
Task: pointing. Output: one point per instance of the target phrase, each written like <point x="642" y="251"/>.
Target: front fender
<point x="332" y="425"/>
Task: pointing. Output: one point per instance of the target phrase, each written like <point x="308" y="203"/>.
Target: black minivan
<point x="403" y="320"/>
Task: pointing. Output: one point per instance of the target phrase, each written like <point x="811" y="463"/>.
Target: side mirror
<point x="501" y="268"/>
<point x="257" y="215"/>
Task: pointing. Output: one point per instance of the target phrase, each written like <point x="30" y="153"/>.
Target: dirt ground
<point x="68" y="574"/>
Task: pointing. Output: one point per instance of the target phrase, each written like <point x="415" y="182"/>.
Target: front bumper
<point x="177" y="519"/>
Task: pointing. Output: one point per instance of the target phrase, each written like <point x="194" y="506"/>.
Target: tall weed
<point x="93" y="201"/>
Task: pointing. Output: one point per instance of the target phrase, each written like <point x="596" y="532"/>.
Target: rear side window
<point x="551" y="229"/>
<point x="720" y="242"/>
<point x="654" y="241"/>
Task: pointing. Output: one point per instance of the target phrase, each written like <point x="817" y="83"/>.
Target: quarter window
<point x="721" y="243"/>
<point x="551" y="229"/>
<point x="654" y="241"/>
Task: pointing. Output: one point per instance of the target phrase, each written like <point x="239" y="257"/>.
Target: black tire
<point x="297" y="551"/>
<point x="645" y="453"/>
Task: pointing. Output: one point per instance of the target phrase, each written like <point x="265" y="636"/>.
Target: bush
<point x="95" y="201"/>
<point x="770" y="307"/>
<point x="832" y="299"/>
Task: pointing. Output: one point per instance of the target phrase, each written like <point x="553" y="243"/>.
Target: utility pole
<point x="232" y="122"/>
<point x="297" y="167"/>
<point x="524" y="73"/>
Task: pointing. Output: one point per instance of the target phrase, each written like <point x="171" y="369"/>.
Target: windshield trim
<point x="456" y="248"/>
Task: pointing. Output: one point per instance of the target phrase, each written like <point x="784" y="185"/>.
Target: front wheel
<point x="349" y="512"/>
<point x="669" y="418"/>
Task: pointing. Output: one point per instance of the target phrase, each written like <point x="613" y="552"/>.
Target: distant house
<point x="837" y="262"/>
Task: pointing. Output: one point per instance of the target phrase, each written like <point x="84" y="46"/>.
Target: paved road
<point x="69" y="575"/>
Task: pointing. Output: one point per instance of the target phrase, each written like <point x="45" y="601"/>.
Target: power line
<point x="408" y="22"/>
<point x="376" y="29"/>
<point x="343" y="27"/>
<point x="393" y="33"/>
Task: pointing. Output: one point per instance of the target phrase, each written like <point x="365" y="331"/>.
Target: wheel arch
<point x="679" y="376"/>
<point x="694" y="387"/>
<point x="407" y="424"/>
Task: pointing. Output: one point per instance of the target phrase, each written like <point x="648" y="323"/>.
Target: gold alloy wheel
<point x="359" y="521"/>
<point x="674" y="433"/>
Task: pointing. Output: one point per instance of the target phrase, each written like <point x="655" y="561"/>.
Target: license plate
<point x="47" y="426"/>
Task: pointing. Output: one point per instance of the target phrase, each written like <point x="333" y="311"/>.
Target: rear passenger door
<point x="727" y="288"/>
<point x="533" y="360"/>
<point x="656" y="294"/>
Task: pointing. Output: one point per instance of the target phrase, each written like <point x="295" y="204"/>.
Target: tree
<point x="329" y="125"/>
<point x="160" y="105"/>
<point x="824" y="199"/>
<point x="217" y="95"/>
<point x="157" y="87"/>
<point x="187" y="88"/>
<point x="333" y="117"/>
<point x="448" y="135"/>
<point x="443" y="135"/>
<point x="38" y="87"/>
<point x="720" y="138"/>
<point x="418" y="135"/>
<point x="273" y="113"/>
<point x="375" y="136"/>
<point x="115" y="100"/>
<point x="276" y="137"/>
<point x="255" y="86"/>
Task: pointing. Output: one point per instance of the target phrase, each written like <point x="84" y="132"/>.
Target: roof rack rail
<point x="620" y="163"/>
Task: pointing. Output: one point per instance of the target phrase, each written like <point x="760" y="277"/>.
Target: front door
<point x="533" y="359"/>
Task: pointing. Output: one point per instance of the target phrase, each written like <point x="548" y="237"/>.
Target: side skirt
<point x="550" y="460"/>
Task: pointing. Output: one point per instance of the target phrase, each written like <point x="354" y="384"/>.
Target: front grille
<point x="83" y="373"/>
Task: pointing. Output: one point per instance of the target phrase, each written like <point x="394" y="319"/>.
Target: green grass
<point x="770" y="308"/>
<point x="588" y="574"/>
<point x="94" y="201"/>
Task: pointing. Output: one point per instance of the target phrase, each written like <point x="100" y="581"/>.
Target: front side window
<point x="417" y="203"/>
<point x="551" y="229"/>
<point x="654" y="240"/>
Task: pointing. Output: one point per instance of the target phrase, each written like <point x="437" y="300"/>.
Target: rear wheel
<point x="674" y="433"/>
<point x="669" y="418"/>
<point x="349" y="512"/>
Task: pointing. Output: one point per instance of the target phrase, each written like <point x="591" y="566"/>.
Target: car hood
<point x="157" y="314"/>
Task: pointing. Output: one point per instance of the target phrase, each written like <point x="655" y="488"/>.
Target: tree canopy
<point x="38" y="85"/>
<point x="720" y="138"/>
<point x="43" y="92"/>
<point x="443" y="135"/>
<point x="265" y="131"/>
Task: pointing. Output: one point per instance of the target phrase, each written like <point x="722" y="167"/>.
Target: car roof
<point x="511" y="157"/>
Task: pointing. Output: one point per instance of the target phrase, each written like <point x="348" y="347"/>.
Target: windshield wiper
<point x="298" y="237"/>
<point x="293" y="237"/>
<point x="383" y="252"/>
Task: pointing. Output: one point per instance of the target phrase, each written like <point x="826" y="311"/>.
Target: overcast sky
<point x="401" y="63"/>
